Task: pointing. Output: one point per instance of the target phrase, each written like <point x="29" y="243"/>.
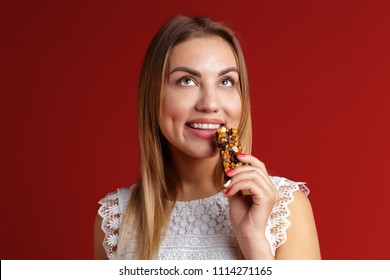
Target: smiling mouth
<point x="204" y="126"/>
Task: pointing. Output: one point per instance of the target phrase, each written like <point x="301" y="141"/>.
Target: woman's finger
<point x="252" y="182"/>
<point x="258" y="184"/>
<point x="241" y="169"/>
<point x="251" y="160"/>
<point x="260" y="196"/>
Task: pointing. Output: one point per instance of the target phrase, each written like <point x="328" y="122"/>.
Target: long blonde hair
<point x="149" y="209"/>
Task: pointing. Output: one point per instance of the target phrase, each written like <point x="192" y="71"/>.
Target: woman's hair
<point x="149" y="209"/>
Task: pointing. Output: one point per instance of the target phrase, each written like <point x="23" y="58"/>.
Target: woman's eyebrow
<point x="227" y="70"/>
<point x="198" y="74"/>
<point x="186" y="69"/>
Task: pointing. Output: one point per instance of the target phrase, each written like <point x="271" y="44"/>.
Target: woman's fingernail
<point x="227" y="184"/>
<point x="240" y="155"/>
<point x="228" y="191"/>
<point x="230" y="171"/>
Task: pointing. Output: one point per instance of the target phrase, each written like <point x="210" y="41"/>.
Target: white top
<point x="198" y="229"/>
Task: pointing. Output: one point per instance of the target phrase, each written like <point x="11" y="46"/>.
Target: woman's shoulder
<point x="292" y="222"/>
<point x="279" y="220"/>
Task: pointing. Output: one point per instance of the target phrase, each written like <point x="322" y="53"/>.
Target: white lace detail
<point x="278" y="222"/>
<point x="111" y="210"/>
<point x="198" y="229"/>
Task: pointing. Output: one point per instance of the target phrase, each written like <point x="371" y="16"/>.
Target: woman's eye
<point x="186" y="81"/>
<point x="227" y="82"/>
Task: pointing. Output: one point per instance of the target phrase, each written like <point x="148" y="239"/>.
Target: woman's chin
<point x="204" y="154"/>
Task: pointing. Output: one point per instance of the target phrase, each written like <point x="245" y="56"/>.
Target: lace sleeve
<point x="110" y="213"/>
<point x="278" y="222"/>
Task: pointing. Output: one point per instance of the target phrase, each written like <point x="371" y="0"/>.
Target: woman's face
<point x="201" y="93"/>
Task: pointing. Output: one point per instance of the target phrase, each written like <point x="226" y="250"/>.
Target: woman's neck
<point x="195" y="177"/>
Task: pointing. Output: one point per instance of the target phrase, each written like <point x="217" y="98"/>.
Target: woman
<point x="193" y="81"/>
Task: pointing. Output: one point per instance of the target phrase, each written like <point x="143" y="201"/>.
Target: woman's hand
<point x="249" y="214"/>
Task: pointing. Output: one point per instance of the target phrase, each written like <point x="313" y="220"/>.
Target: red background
<point x="319" y="73"/>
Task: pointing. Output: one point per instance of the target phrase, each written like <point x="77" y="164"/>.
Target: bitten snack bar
<point x="229" y="143"/>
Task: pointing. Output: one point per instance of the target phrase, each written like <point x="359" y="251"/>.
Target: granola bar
<point x="229" y="143"/>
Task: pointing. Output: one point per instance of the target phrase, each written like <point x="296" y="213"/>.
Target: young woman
<point x="193" y="81"/>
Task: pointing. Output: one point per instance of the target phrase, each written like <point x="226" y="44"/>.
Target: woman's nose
<point x="208" y="100"/>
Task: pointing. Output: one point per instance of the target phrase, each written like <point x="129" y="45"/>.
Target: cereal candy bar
<point x="229" y="143"/>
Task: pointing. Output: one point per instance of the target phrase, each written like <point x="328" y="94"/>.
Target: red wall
<point x="319" y="73"/>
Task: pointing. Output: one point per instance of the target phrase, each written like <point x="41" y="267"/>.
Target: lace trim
<point x="112" y="208"/>
<point x="278" y="221"/>
<point x="110" y="213"/>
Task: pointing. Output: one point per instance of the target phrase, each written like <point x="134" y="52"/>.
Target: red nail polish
<point x="230" y="171"/>
<point x="228" y="191"/>
<point x="240" y="155"/>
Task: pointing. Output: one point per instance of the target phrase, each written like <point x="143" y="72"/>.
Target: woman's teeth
<point x="204" y="125"/>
